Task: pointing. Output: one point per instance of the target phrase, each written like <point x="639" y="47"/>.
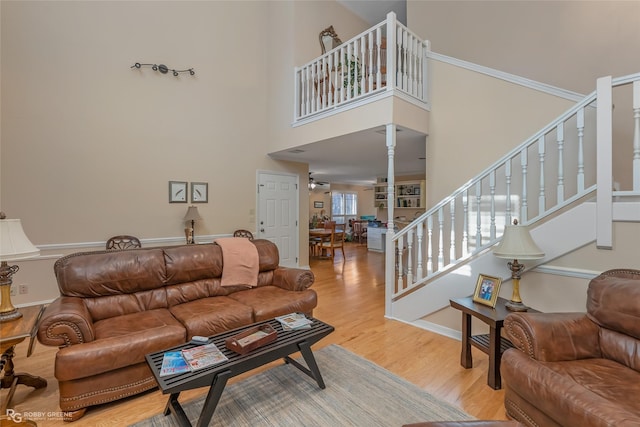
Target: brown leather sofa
<point x="578" y="369"/>
<point x="117" y="306"/>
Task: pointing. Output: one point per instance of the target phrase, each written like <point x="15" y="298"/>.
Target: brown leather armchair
<point x="578" y="369"/>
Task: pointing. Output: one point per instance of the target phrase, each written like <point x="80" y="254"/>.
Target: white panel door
<point x="278" y="214"/>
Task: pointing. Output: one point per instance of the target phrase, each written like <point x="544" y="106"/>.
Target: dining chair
<point x="336" y="241"/>
<point x="359" y="231"/>
<point x="243" y="233"/>
<point x="123" y="242"/>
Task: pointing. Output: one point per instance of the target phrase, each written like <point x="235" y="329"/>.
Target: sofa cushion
<point x="100" y="273"/>
<point x="209" y="316"/>
<point x="268" y="302"/>
<point x="191" y="263"/>
<point x="574" y="392"/>
<point x="120" y="341"/>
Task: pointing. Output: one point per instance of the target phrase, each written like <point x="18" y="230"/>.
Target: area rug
<point x="357" y="393"/>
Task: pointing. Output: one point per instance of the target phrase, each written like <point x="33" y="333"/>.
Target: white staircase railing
<point x="560" y="165"/>
<point x="386" y="57"/>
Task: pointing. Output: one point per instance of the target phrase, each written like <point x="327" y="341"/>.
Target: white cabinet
<point x="376" y="238"/>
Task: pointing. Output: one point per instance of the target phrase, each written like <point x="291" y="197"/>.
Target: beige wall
<point x="89" y="144"/>
<point x="476" y="119"/>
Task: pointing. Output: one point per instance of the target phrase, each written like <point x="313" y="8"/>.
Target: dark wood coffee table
<point x="216" y="377"/>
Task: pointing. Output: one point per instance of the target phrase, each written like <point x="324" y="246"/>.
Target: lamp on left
<point x="193" y="216"/>
<point x="14" y="245"/>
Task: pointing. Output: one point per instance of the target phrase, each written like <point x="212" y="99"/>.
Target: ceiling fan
<point x="313" y="183"/>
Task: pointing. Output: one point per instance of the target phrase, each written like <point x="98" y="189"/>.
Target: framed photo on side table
<point x="487" y="289"/>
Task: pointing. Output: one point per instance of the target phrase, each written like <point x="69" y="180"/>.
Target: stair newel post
<point x="636" y="136"/>
<point x="392" y="78"/>
<point x="390" y="250"/>
<point x="604" y="158"/>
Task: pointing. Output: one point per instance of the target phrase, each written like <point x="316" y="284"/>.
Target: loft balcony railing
<point x="569" y="160"/>
<point x="385" y="58"/>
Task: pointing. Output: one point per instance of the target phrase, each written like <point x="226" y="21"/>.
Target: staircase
<point x="559" y="182"/>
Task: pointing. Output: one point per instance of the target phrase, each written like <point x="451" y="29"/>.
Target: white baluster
<point x="580" y="126"/>
<point x="398" y="68"/>
<point x="636" y="136"/>
<point x="399" y="264"/>
<point x="379" y="58"/>
<point x="478" y="216"/>
<point x="560" y="139"/>
<point x="452" y="243"/>
<point x="405" y="60"/>
<point x="523" y="166"/>
<point x="363" y="66"/>
<point x="541" y="197"/>
<point x="465" y="223"/>
<point x="419" y="255"/>
<point x="429" y="244"/>
<point x="370" y="65"/>
<point x="410" y="258"/>
<point x="507" y="179"/>
<point x="440" y="239"/>
<point x="492" y="195"/>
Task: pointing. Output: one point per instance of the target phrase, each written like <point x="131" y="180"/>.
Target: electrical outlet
<point x="23" y="289"/>
<point x="13" y="291"/>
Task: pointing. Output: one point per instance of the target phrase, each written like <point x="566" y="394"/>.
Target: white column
<point x="389" y="247"/>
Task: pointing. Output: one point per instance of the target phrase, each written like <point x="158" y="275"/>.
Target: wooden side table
<point x="492" y="344"/>
<point x="13" y="333"/>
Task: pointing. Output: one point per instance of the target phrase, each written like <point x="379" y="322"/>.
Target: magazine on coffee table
<point x="293" y="321"/>
<point x="173" y="363"/>
<point x="203" y="356"/>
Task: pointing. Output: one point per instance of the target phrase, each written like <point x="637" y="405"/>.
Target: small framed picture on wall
<point x="487" y="289"/>
<point x="318" y="205"/>
<point x="199" y="192"/>
<point x="177" y="192"/>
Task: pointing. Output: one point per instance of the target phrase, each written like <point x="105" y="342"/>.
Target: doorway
<point x="278" y="214"/>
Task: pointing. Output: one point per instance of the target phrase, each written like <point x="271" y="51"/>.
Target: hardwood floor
<point x="351" y="298"/>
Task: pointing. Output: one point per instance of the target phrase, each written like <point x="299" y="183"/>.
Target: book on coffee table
<point x="293" y="321"/>
<point x="203" y="356"/>
<point x="173" y="363"/>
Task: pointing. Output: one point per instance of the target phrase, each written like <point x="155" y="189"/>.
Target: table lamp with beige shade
<point x="14" y="246"/>
<point x="517" y="244"/>
<point x="192" y="216"/>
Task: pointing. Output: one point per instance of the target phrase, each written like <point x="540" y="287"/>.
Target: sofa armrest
<point x="553" y="337"/>
<point x="293" y="279"/>
<point x="65" y="322"/>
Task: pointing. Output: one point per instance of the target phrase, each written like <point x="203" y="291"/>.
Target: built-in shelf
<point x="408" y="194"/>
